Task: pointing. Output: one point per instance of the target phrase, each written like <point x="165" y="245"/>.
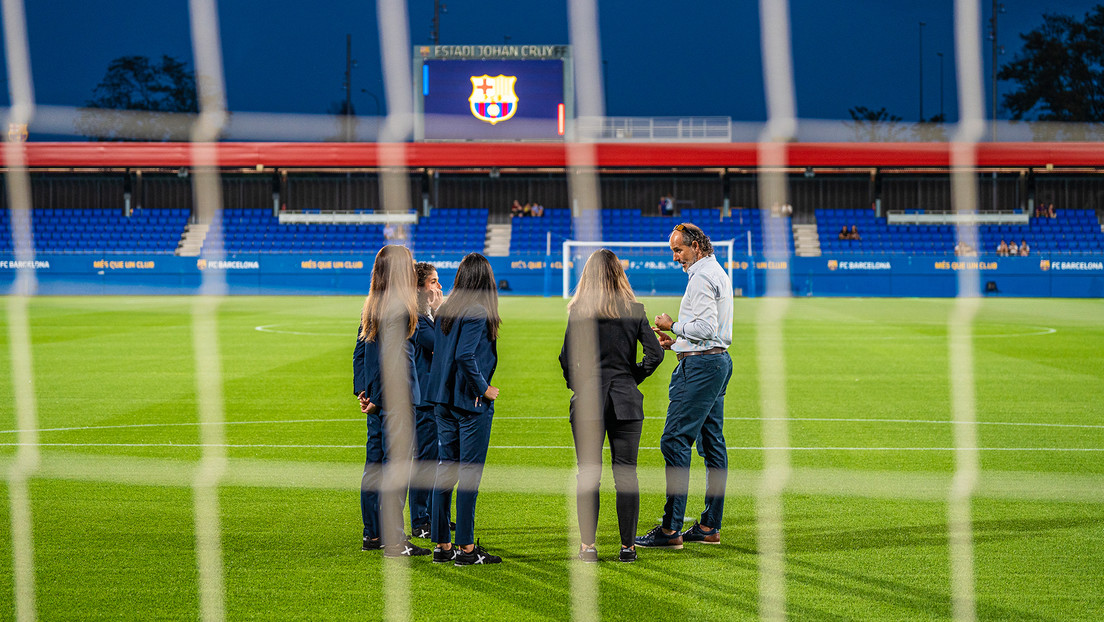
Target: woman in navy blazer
<point x="605" y="323"/>
<point x="464" y="360"/>
<point x="430" y="298"/>
<point x="387" y="324"/>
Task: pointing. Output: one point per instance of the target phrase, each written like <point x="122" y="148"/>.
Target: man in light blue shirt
<point x="702" y="335"/>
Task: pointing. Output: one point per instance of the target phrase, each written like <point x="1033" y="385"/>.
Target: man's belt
<point x="717" y="350"/>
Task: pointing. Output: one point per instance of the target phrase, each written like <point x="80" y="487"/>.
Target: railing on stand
<point x="659" y="129"/>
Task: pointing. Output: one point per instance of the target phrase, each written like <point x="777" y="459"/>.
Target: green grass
<point x="869" y="400"/>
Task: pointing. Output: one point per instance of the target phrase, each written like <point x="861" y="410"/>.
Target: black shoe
<point x="697" y="534"/>
<point x="628" y="554"/>
<point x="657" y="539"/>
<point x="441" y="556"/>
<point x="477" y="555"/>
<point x="588" y="554"/>
<point x="404" y="549"/>
<point x="421" y="531"/>
<point x="371" y="544"/>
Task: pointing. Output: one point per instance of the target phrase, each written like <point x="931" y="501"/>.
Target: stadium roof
<point x="542" y="155"/>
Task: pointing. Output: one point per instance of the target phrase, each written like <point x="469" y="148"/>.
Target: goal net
<point x="43" y="439"/>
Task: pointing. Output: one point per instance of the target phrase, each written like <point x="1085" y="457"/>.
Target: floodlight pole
<point x="921" y="76"/>
<point x="348" y="112"/>
<point x="435" y="34"/>
<point x="941" y="117"/>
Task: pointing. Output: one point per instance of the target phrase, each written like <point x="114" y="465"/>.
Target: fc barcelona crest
<point x="493" y="98"/>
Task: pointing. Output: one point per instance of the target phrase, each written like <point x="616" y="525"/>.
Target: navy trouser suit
<point x="425" y="430"/>
<point x="367" y="378"/>
<point x="464" y="361"/>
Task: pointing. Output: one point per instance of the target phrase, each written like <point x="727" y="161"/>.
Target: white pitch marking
<point x="268" y="328"/>
<point x="1039" y="331"/>
<point x="1083" y="426"/>
<point x="559" y="447"/>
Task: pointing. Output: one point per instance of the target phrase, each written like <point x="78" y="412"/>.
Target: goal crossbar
<point x="612" y="244"/>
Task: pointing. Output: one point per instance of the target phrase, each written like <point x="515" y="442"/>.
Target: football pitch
<point x="869" y="400"/>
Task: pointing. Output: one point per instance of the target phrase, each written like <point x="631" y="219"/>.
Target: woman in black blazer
<point x="464" y="360"/>
<point x="385" y="381"/>
<point x="605" y="322"/>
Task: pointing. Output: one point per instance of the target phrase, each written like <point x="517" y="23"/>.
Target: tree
<point x="137" y="100"/>
<point x="1059" y="74"/>
<point x="875" y="125"/>
<point x="932" y="129"/>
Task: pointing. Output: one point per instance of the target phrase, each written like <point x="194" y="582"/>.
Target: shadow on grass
<point x="805" y="541"/>
<point x="920" y="602"/>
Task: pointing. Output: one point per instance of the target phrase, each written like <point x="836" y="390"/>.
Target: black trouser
<point x="624" y="440"/>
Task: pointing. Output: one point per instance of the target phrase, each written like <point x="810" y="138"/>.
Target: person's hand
<point x="436" y="298"/>
<point x="665" y="340"/>
<point x="491" y="393"/>
<point x="663" y="322"/>
<point x="369" y="408"/>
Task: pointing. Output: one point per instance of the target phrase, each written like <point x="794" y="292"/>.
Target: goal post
<point x="639" y="258"/>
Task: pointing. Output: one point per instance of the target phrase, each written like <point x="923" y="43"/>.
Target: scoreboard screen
<point x="516" y="98"/>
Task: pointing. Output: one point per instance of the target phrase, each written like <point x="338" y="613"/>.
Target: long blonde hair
<point x="604" y="290"/>
<point x="393" y="292"/>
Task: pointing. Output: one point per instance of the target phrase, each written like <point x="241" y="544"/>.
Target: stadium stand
<point x="447" y="230"/>
<point x="462" y="230"/>
<point x="529" y="235"/>
<point x="1073" y="231"/>
<point x="65" y="230"/>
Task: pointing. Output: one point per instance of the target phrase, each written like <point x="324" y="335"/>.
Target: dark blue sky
<point x="663" y="58"/>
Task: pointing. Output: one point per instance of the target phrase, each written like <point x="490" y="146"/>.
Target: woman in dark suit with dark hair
<point x="425" y="421"/>
<point x="464" y="360"/>
<point x="605" y="323"/>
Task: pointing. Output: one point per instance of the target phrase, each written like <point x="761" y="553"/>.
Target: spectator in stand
<point x="527" y="210"/>
<point x="1024" y="248"/>
<point x="963" y="249"/>
<point x="854" y="233"/>
<point x="844" y="234"/>
<point x="537" y="209"/>
<point x="1013" y="250"/>
<point x="516" y="209"/>
<point x="394" y="232"/>
<point x="666" y="205"/>
<point x="1051" y="213"/>
<point x="1002" y="248"/>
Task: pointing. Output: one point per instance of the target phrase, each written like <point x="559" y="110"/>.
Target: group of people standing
<point x="438" y="358"/>
<point x="447" y="356"/>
